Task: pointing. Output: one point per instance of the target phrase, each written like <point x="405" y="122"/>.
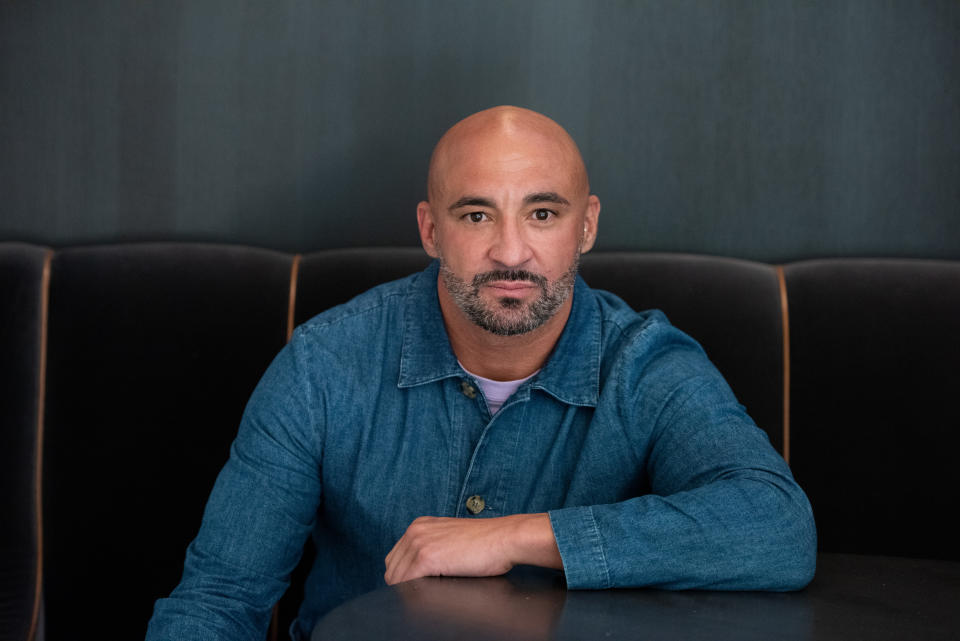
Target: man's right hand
<point x="438" y="546"/>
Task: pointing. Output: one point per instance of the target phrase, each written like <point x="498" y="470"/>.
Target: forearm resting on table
<point x="435" y="546"/>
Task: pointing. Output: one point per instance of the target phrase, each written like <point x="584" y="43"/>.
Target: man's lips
<point x="511" y="286"/>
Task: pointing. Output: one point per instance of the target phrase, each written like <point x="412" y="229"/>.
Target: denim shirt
<point x="651" y="472"/>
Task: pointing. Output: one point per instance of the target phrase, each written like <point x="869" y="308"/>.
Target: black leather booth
<point x="125" y="369"/>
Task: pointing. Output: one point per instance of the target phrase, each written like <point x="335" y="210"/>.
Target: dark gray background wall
<point x="770" y="130"/>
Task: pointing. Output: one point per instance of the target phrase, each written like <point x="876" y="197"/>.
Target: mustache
<point x="508" y="275"/>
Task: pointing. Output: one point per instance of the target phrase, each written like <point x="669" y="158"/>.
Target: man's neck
<point x="500" y="358"/>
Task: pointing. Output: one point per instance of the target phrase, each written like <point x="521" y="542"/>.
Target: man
<point x="488" y="412"/>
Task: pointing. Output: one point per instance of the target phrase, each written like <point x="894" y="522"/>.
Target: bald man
<point x="490" y="411"/>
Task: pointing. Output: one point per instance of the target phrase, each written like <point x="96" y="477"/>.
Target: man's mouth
<point x="511" y="285"/>
<point x="516" y="280"/>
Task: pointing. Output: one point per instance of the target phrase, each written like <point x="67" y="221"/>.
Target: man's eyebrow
<point x="529" y="199"/>
<point x="472" y="201"/>
<point x="545" y="197"/>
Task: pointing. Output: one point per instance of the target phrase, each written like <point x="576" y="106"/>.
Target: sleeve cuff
<point x="581" y="548"/>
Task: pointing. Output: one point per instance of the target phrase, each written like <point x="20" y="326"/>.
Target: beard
<point x="510" y="316"/>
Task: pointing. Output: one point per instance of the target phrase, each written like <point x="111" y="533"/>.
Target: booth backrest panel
<point x="21" y="320"/>
<point x="328" y="278"/>
<point x="153" y="351"/>
<point x="875" y="419"/>
<point x="732" y="308"/>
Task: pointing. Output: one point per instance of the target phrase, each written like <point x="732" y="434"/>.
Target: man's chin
<point x="511" y="318"/>
<point x="509" y="302"/>
<point x="495" y="302"/>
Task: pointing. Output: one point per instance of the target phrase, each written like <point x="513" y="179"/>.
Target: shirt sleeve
<point x="724" y="511"/>
<point x="259" y="514"/>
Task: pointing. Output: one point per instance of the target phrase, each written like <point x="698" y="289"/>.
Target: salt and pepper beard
<point x="510" y="316"/>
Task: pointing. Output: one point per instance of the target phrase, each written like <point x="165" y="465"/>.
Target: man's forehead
<point x="505" y="169"/>
<point x="552" y="182"/>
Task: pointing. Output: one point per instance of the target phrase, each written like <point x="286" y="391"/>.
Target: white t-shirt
<point x="497" y="392"/>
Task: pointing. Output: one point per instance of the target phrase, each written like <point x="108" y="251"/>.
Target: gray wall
<point x="771" y="130"/>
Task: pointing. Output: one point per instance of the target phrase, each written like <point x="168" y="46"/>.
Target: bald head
<point x="508" y="134"/>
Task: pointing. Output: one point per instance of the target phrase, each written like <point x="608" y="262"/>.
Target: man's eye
<point x="542" y="214"/>
<point x="476" y="216"/>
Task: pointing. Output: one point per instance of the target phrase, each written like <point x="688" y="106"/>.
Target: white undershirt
<point x="497" y="392"/>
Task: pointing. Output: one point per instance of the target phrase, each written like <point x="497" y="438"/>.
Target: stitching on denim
<point x="304" y="360"/>
<point x="314" y="324"/>
<point x="660" y="422"/>
<point x="507" y="468"/>
<point x="598" y="546"/>
<point x="619" y="374"/>
<point x="481" y="443"/>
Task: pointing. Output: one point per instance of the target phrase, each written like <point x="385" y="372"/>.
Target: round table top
<point x="851" y="597"/>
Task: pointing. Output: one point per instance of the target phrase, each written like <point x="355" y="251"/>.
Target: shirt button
<point x="476" y="504"/>
<point x="468" y="390"/>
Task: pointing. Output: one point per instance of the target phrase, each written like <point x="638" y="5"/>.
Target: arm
<point x="723" y="512"/>
<point x="257" y="518"/>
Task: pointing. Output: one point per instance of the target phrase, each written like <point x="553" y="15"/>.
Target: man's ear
<point x="428" y="229"/>
<point x="590" y="224"/>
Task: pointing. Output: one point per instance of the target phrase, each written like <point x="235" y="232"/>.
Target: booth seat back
<point x="875" y="416"/>
<point x="153" y="349"/>
<point x="22" y="314"/>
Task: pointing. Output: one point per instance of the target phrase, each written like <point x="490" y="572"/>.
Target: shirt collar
<point x="426" y="355"/>
<point x="571" y="374"/>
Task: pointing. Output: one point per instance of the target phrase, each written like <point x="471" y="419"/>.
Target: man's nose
<point x="510" y="247"/>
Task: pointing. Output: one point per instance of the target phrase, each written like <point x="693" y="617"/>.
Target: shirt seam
<point x="621" y="368"/>
<point x="598" y="542"/>
<point x="316" y="323"/>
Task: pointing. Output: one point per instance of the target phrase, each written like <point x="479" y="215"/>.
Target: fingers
<point x="409" y="558"/>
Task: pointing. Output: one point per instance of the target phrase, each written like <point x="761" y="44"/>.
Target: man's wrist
<point x="531" y="541"/>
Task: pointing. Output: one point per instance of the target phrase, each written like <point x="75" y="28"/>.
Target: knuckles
<point x="419" y="528"/>
<point x="422" y="522"/>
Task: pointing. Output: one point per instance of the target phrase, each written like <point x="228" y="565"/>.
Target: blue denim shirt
<point x="650" y="470"/>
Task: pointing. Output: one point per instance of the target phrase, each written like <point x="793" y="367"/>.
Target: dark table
<point x="852" y="597"/>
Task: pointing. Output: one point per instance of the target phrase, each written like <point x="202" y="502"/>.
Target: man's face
<point x="509" y="313"/>
<point x="508" y="218"/>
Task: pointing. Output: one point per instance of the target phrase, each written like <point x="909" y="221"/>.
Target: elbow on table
<point x="796" y="557"/>
<point x="790" y="546"/>
<point x="799" y="573"/>
<point x="781" y="543"/>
